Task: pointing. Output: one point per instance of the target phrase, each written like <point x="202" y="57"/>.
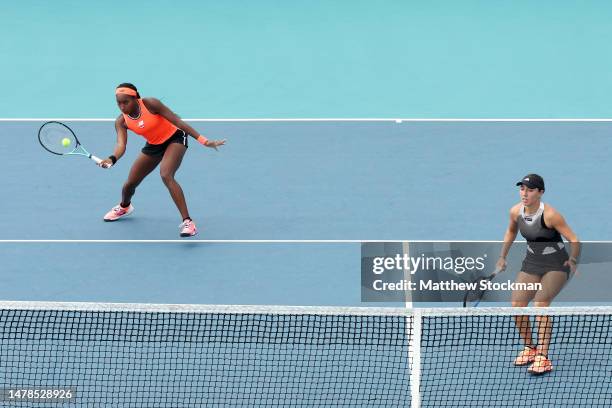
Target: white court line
<point x="228" y="241"/>
<point x="183" y="241"/>
<point x="413" y="332"/>
<point x="329" y="119"/>
<point x="255" y="241"/>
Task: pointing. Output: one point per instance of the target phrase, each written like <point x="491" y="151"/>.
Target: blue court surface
<point x="282" y="210"/>
<point x="321" y="59"/>
<point x="315" y="180"/>
<point x="269" y="204"/>
<point x="280" y="180"/>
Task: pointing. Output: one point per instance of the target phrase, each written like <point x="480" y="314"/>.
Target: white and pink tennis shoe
<point x="118" y="212"/>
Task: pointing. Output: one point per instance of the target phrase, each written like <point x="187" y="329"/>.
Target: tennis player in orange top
<point x="166" y="135"/>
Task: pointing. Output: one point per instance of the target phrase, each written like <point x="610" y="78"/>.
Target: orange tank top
<point x="155" y="128"/>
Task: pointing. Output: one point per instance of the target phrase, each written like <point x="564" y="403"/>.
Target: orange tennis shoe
<point x="526" y="356"/>
<point x="540" y="365"/>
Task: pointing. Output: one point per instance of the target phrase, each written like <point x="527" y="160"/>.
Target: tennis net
<point x="126" y="355"/>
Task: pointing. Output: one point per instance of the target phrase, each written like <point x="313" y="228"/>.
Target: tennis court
<point x="282" y="226"/>
<point x="188" y="356"/>
<point x="346" y="180"/>
<point x="283" y="208"/>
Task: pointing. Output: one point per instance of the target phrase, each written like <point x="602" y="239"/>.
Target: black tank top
<point x="533" y="228"/>
<point x="541" y="240"/>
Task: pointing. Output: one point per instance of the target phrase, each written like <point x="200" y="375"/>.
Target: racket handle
<point x="96" y="159"/>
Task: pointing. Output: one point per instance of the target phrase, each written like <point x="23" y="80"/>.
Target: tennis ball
<point x="65" y="142"/>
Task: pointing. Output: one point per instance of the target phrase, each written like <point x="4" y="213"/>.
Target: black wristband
<point x="113" y="159"/>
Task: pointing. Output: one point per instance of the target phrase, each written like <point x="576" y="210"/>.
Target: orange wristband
<point x="202" y="140"/>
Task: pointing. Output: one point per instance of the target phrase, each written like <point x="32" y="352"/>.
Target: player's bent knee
<point x="167" y="178"/>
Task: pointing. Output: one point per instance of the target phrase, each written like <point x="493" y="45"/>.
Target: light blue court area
<point x="210" y="359"/>
<point x="159" y="356"/>
<point x="346" y="180"/>
<point x="467" y="361"/>
<point x="319" y="58"/>
<point x="190" y="272"/>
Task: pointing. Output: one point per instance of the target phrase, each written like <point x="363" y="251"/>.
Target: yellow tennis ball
<point x="65" y="142"/>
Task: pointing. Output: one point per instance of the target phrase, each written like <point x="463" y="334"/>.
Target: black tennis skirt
<point x="539" y="262"/>
<point x="158" y="150"/>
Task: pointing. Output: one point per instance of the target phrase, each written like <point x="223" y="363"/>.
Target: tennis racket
<point x="59" y="139"/>
<point x="473" y="297"/>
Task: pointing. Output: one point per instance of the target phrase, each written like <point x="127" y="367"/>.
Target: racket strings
<point x="58" y="139"/>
